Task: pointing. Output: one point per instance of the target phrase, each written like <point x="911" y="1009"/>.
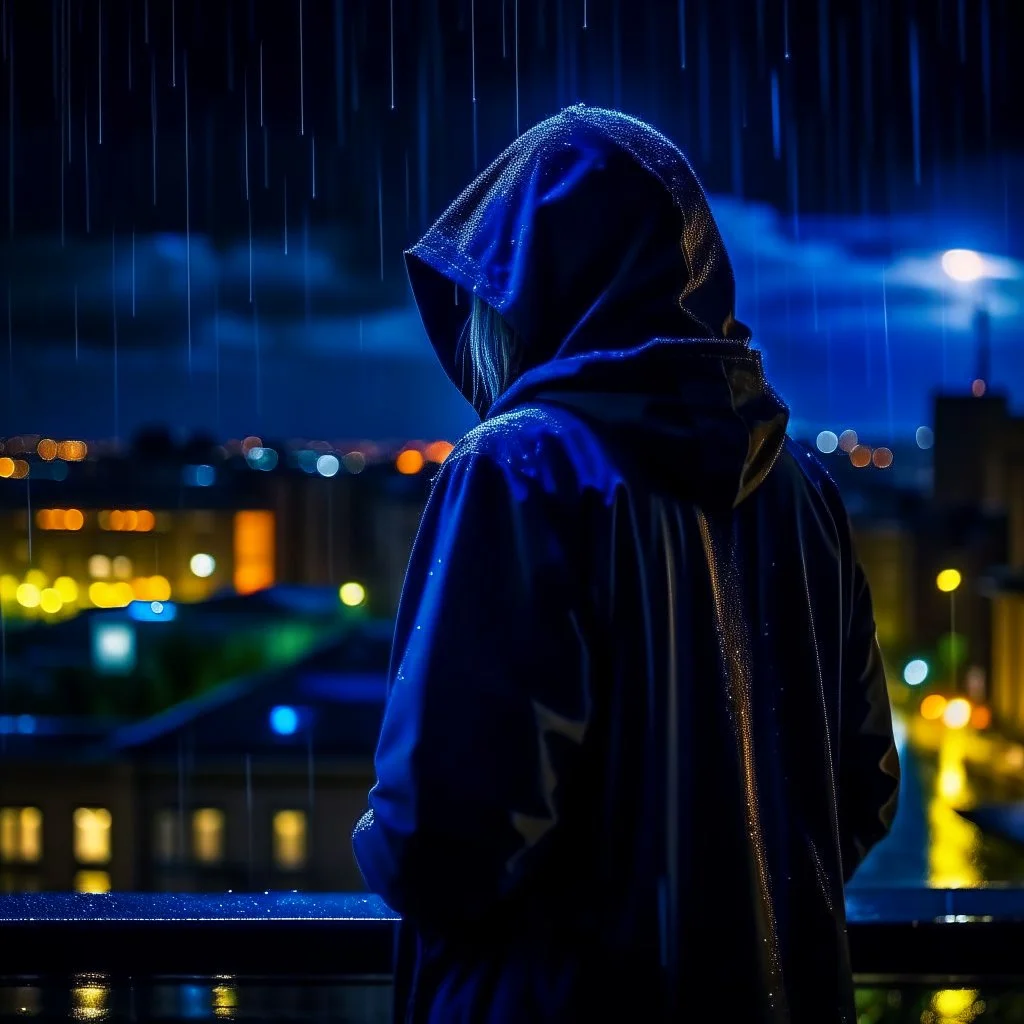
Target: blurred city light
<point x="981" y="717"/>
<point x="963" y="265"/>
<point x="948" y="580"/>
<point x="113" y="646"/>
<point x="827" y="442"/>
<point x="352" y="594"/>
<point x="957" y="713"/>
<point x="284" y="720"/>
<point x="328" y="465"/>
<point x="409" y="462"/>
<point x="153" y="611"/>
<point x="925" y="437"/>
<point x="202" y="565"/>
<point x="915" y="672"/>
<point x="933" y="706"/>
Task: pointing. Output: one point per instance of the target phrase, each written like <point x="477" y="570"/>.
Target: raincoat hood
<point x="593" y="239"/>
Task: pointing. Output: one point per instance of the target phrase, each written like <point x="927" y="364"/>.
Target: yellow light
<point x="957" y="713"/>
<point x="121" y="594"/>
<point x="352" y="594"/>
<point x="160" y="588"/>
<point x="8" y="587"/>
<point x="409" y="462"/>
<point x="122" y="567"/>
<point x="6" y="467"/>
<point x="50" y="601"/>
<point x="99" y="566"/>
<point x="94" y="882"/>
<point x="289" y="832"/>
<point x="208" y="835"/>
<point x="37" y="578"/>
<point x="933" y="706"/>
<point x="948" y="580"/>
<point x="21" y="835"/>
<point x="92" y="835"/>
<point x="954" y="1004"/>
<point x="67" y="588"/>
<point x="98" y="594"/>
<point x="28" y="595"/>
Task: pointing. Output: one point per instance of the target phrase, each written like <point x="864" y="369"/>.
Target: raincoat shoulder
<point x="488" y="701"/>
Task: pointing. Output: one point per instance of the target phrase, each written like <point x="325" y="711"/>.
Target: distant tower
<point x="983" y="345"/>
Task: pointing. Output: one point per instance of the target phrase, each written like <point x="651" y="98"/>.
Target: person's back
<point x="638" y="732"/>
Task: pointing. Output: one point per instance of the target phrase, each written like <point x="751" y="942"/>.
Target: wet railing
<point x="329" y="956"/>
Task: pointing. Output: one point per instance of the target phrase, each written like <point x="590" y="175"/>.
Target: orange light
<point x="957" y="713"/>
<point x="73" y="519"/>
<point x="20" y="469"/>
<point x="47" y="449"/>
<point x="131" y="520"/>
<point x="861" y="456"/>
<point x="882" y="458"/>
<point x="6" y="467"/>
<point x="249" y="443"/>
<point x="254" y="550"/>
<point x="72" y="451"/>
<point x="438" y="451"/>
<point x="45" y="518"/>
<point x="146" y="521"/>
<point x="981" y="717"/>
<point x="933" y="706"/>
<point x="409" y="462"/>
<point x="116" y="520"/>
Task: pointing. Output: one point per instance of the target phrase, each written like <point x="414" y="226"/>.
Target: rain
<point x="207" y="210"/>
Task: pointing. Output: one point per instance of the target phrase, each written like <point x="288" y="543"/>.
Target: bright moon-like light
<point x="963" y="264"/>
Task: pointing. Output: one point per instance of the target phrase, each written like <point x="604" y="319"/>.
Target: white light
<point x="963" y="264"/>
<point x="202" y="565"/>
<point x="328" y="465"/>
<point x="827" y="442"/>
<point x="915" y="672"/>
<point x="113" y="646"/>
<point x="352" y="594"/>
<point x="925" y="437"/>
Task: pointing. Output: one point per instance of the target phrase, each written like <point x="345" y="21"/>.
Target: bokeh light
<point x="352" y="594"/>
<point x="827" y="442"/>
<point x="933" y="706"/>
<point x="915" y="672"/>
<point x="409" y="462"/>
<point x="948" y="580"/>
<point x="957" y="713"/>
<point x="963" y="265"/>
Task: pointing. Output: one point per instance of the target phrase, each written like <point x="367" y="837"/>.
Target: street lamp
<point x="948" y="581"/>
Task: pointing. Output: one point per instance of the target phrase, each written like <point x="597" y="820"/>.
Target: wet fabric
<point x="637" y="734"/>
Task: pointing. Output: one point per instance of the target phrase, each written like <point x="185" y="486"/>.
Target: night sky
<point x="206" y="201"/>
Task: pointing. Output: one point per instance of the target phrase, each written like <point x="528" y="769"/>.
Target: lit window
<point x="92" y="881"/>
<point x="165" y="836"/>
<point x="290" y="840"/>
<point x="21" y="835"/>
<point x="92" y="835"/>
<point x="208" y="835"/>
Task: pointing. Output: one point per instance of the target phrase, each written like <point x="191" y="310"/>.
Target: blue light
<point x="284" y="720"/>
<point x="153" y="611"/>
<point x="199" y="476"/>
<point x="915" y="672"/>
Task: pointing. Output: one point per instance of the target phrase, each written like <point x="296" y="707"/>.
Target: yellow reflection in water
<point x="90" y="997"/>
<point x="225" y="1001"/>
<point x="954" y="1006"/>
<point x="954" y="843"/>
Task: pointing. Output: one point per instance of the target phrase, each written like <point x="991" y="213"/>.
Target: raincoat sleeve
<point x="869" y="768"/>
<point x="488" y="700"/>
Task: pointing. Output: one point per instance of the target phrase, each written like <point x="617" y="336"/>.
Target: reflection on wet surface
<point x="931" y="843"/>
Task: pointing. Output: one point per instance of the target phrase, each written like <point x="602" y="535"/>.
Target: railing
<point x="922" y="936"/>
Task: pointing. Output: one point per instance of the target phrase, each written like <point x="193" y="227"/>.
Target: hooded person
<point x="637" y="735"/>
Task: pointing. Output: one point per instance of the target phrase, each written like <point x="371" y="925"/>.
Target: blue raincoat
<point x="637" y="735"/>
